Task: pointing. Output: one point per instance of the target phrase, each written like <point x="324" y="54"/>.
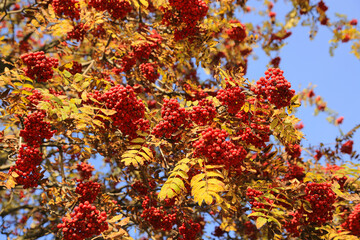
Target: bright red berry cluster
<point x="70" y="8"/>
<point x="142" y="51"/>
<point x="39" y="67"/>
<point x="237" y="33"/>
<point x="321" y="198"/>
<point x="233" y="97"/>
<point x="85" y="170"/>
<point x="275" y="88"/>
<point x="203" y="113"/>
<point x="352" y="223"/>
<point x="85" y="222"/>
<point x="36" y="129"/>
<point x="149" y="71"/>
<point x="293" y="150"/>
<point x="158" y="217"/>
<point x="76" y="68"/>
<point x="78" y="32"/>
<point x="174" y="119"/>
<point x="292" y="225"/>
<point x="27" y="166"/>
<point x="190" y="230"/>
<point x="347" y="147"/>
<point x="185" y="12"/>
<point x="118" y="9"/>
<point x="217" y="150"/>
<point x="252" y="194"/>
<point x="295" y="171"/>
<point x="88" y="190"/>
<point x="254" y="129"/>
<point x="142" y="188"/>
<point x="130" y="111"/>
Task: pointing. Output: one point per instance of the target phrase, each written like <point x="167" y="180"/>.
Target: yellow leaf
<point x="260" y="221"/>
<point x="116" y="218"/>
<point x="145" y="3"/>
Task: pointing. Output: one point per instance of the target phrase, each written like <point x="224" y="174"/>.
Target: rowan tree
<point x="115" y="83"/>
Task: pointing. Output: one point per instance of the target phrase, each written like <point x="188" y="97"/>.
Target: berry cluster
<point x="293" y="150"/>
<point x="36" y="129"/>
<point x="217" y="150"/>
<point x="190" y="230"/>
<point x="292" y="225"/>
<point x="185" y="13"/>
<point x="127" y="62"/>
<point x="255" y="131"/>
<point x="149" y="71"/>
<point x="295" y="171"/>
<point x="194" y="94"/>
<point x="275" y="88"/>
<point x="27" y="166"/>
<point x="158" y="217"/>
<point x="352" y="223"/>
<point x="232" y="97"/>
<point x="141" y="188"/>
<point x="252" y="194"/>
<point x="85" y="170"/>
<point x="174" y="118"/>
<point x="218" y="232"/>
<point x="85" y="222"/>
<point x="76" y="68"/>
<point x="347" y="147"/>
<point x="237" y="33"/>
<point x="88" y="190"/>
<point x="130" y="111"/>
<point x="321" y="198"/>
<point x="39" y="67"/>
<point x="118" y="9"/>
<point x="203" y="113"/>
<point x="142" y="51"/>
<point x="78" y="32"/>
<point x="70" y="8"/>
<point x="250" y="230"/>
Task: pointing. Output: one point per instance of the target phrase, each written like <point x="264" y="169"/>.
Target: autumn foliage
<point x="107" y="128"/>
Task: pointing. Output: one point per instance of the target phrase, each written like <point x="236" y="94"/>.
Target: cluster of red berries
<point x="295" y="171"/>
<point x="292" y="225"/>
<point x="347" y="147"/>
<point x="352" y="223"/>
<point x="85" y="170"/>
<point x="321" y="198"/>
<point x="36" y="129"/>
<point x="118" y="9"/>
<point x="39" y="67"/>
<point x="217" y="150"/>
<point x="250" y="230"/>
<point x="76" y="68"/>
<point x="174" y="119"/>
<point x="78" y="32"/>
<point x="233" y="97"/>
<point x="189" y="230"/>
<point x="88" y="190"/>
<point x="252" y="194"/>
<point x="185" y="12"/>
<point x="255" y="132"/>
<point x="130" y="111"/>
<point x="275" y="88"/>
<point x="142" y="51"/>
<point x="293" y="150"/>
<point x="237" y="33"/>
<point x="142" y="188"/>
<point x="70" y="8"/>
<point x="85" y="222"/>
<point x="27" y="166"/>
<point x="203" y="113"/>
<point x="158" y="217"/>
<point x="149" y="71"/>
<point x="194" y="94"/>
